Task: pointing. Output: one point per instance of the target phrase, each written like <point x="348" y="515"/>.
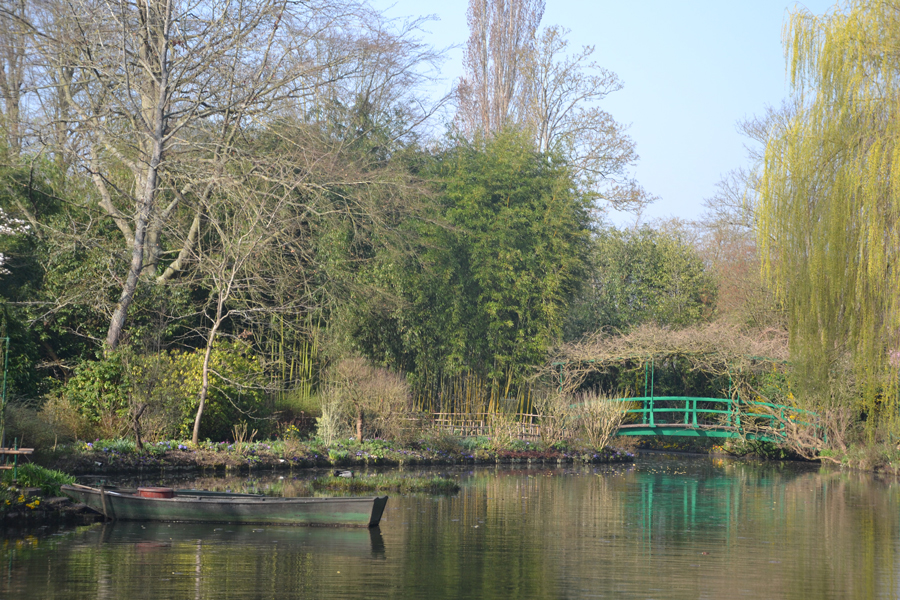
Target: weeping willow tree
<point x="830" y="201"/>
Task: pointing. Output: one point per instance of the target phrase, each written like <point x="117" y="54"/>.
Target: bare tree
<point x="728" y="240"/>
<point x="14" y="68"/>
<point x="562" y="111"/>
<point x="728" y="245"/>
<point x="501" y="37"/>
<point x="152" y="98"/>
<point x="230" y="261"/>
<point x="517" y="76"/>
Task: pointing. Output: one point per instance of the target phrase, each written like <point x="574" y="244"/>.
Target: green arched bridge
<point x="709" y="417"/>
<point x="690" y="416"/>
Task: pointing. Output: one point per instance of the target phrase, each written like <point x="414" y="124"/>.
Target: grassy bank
<point x="121" y="456"/>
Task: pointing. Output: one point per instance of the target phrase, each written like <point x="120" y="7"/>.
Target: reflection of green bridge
<point x="708" y="417"/>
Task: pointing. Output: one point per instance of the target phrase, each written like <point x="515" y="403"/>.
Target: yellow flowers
<point x="22" y="500"/>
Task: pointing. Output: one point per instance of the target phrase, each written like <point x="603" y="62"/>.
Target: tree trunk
<point x="148" y="193"/>
<point x="137" y="427"/>
<point x="204" y="386"/>
<point x="359" y="424"/>
<point x="204" y="377"/>
<point x="117" y="322"/>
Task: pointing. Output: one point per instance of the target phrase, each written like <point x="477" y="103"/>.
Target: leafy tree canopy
<point x="830" y="196"/>
<point x="642" y="276"/>
<point x="489" y="288"/>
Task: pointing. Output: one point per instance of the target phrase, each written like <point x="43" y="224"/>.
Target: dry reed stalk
<point x="241" y="437"/>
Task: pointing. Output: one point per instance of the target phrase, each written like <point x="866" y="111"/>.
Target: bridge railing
<point x="657" y="415"/>
<point x="744" y="417"/>
<point x="683" y="409"/>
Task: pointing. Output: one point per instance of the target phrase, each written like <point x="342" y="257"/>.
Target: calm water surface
<point x="665" y="527"/>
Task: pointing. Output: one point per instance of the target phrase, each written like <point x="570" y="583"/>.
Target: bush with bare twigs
<point x="371" y="401"/>
<point x="822" y="425"/>
<point x="597" y="417"/>
<point x="590" y="416"/>
<point x="556" y="415"/>
<point x="717" y="348"/>
<point x="503" y="428"/>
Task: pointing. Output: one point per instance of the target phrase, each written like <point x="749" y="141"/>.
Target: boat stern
<point x="377" y="510"/>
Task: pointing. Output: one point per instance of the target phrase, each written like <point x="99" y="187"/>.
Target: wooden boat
<point x="200" y="506"/>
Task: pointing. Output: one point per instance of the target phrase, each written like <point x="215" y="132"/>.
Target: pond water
<point x="664" y="527"/>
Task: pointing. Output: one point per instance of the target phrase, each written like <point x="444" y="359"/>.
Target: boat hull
<point x="195" y="507"/>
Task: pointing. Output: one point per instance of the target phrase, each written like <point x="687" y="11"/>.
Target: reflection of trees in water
<point x="797" y="534"/>
<point x="531" y="532"/>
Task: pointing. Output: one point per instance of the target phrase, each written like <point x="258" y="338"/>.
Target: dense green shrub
<point x="31" y="475"/>
<point x="109" y="391"/>
<point x="99" y="388"/>
<point x="641" y="276"/>
<point x="169" y="383"/>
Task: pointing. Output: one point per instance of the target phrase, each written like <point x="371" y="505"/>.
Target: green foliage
<point x="31" y="475"/>
<point x="829" y="215"/>
<point x="33" y="313"/>
<point x="58" y="291"/>
<point x="642" y="276"/>
<point x="494" y="270"/>
<point x="478" y="442"/>
<point x="170" y="383"/>
<point x="99" y="387"/>
<point x="338" y="455"/>
<point x="439" y="440"/>
<point x="119" y="446"/>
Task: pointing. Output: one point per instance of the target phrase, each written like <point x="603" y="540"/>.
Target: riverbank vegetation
<point x="218" y="246"/>
<point x="17" y="488"/>
<point x="384" y="483"/>
<point x="121" y="456"/>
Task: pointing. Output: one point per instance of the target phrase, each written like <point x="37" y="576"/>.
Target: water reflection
<point x="333" y="540"/>
<point x="664" y="527"/>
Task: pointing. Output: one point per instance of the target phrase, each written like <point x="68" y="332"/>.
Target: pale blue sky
<point x="691" y="69"/>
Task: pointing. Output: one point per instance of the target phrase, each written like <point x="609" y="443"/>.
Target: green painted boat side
<point x="231" y="508"/>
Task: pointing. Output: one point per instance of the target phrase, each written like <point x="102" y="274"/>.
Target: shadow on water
<point x="347" y="541"/>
